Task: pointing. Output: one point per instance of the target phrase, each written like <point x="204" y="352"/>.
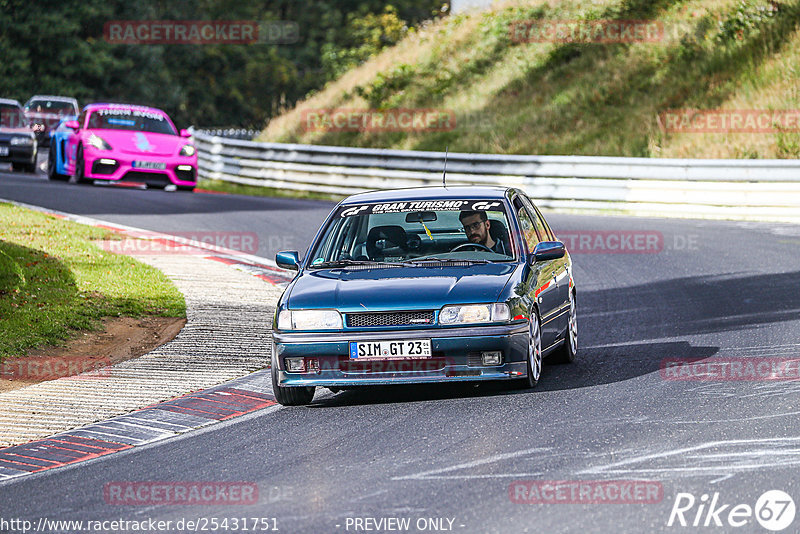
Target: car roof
<point x="54" y="97"/>
<point x="430" y="193"/>
<point x="10" y="101"/>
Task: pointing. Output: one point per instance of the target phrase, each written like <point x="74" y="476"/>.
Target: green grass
<point x="252" y="190"/>
<point x="587" y="99"/>
<point x="54" y="282"/>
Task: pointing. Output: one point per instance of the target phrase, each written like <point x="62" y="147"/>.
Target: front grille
<point x="187" y="176"/>
<point x="406" y="318"/>
<point x="103" y="168"/>
<point x="149" y="178"/>
<point x="474" y="359"/>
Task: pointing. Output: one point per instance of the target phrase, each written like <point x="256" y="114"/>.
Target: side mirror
<point x="185" y="133"/>
<point x="288" y="259"/>
<point x="548" y="250"/>
<point x="75" y="125"/>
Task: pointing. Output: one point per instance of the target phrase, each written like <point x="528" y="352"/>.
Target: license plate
<point x="156" y="165"/>
<point x="407" y="349"/>
<point x="3" y="151"/>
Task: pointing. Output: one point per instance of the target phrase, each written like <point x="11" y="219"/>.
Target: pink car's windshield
<point x="131" y="119"/>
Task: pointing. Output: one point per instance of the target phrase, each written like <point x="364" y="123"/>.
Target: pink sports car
<point x="125" y="143"/>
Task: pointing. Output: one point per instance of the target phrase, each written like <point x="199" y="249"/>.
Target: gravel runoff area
<point x="227" y="335"/>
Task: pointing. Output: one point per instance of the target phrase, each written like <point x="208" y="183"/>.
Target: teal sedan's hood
<point x="399" y="288"/>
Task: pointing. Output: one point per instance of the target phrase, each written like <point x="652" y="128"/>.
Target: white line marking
<point x="470" y="477"/>
<point x="695" y="452"/>
<point x="720" y="479"/>
<point x="475" y="463"/>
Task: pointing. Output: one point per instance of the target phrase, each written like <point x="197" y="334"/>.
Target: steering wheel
<point x="477" y="246"/>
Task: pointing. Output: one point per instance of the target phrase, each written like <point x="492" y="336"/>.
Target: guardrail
<point x="229" y="133"/>
<point x="738" y="189"/>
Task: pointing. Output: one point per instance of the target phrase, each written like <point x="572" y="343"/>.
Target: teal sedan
<point x="424" y="285"/>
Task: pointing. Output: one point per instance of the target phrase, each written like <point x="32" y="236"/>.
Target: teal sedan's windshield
<point x="466" y="230"/>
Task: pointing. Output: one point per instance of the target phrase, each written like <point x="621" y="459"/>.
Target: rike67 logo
<point x="774" y="510"/>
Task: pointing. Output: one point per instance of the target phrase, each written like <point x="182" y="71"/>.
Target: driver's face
<point x="476" y="229"/>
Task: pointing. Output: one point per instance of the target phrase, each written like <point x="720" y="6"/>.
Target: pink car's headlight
<point x="187" y="150"/>
<point x="98" y="142"/>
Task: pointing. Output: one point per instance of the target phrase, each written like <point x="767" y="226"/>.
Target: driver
<point x="476" y="225"/>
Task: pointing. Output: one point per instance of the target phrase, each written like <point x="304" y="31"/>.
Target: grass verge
<point x="512" y="96"/>
<point x="54" y="282"/>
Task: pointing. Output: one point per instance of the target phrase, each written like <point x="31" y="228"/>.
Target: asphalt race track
<point x="450" y="453"/>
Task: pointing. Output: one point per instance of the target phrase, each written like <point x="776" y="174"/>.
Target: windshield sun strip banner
<point x="131" y="112"/>
<point x="421" y="205"/>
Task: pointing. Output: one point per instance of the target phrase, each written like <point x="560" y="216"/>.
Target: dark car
<point x="17" y="141"/>
<point x="44" y="112"/>
<point x="424" y="285"/>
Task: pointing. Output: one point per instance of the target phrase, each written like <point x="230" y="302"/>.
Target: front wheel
<point x="51" y="166"/>
<point x="80" y="168"/>
<point x="569" y="349"/>
<point x="534" y="353"/>
<point x="290" y="396"/>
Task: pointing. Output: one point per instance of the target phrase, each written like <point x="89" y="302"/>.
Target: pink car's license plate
<point x="155" y="165"/>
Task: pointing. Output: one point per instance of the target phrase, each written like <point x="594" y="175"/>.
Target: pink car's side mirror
<point x="75" y="125"/>
<point x="185" y="133"/>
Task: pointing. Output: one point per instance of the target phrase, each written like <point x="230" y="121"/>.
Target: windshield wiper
<point x="347" y="263"/>
<point x="434" y="259"/>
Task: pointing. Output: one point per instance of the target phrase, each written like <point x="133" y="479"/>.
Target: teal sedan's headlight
<point x="21" y="141"/>
<point x="309" y="320"/>
<point x="474" y="313"/>
<point x="98" y="142"/>
<point x="187" y="150"/>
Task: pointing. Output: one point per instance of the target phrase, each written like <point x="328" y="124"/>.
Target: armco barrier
<point x="735" y="189"/>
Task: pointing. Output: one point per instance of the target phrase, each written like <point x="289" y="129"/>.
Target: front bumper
<point x="456" y="356"/>
<point x="20" y="154"/>
<point x="179" y="170"/>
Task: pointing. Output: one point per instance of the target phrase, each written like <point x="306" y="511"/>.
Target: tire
<point x="187" y="188"/>
<point x="534" y="353"/>
<point x="568" y="350"/>
<point x="80" y="168"/>
<point x="290" y="396"/>
<point x="51" y="167"/>
<point x="18" y="167"/>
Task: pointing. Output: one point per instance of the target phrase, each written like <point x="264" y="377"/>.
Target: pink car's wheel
<point x="80" y="168"/>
